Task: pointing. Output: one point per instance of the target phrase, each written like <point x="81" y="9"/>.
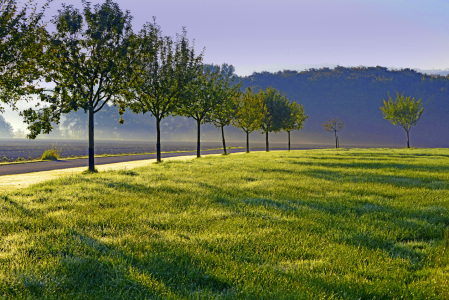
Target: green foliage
<point x="353" y="94"/>
<point x="227" y="91"/>
<point x="250" y="111"/>
<point x="200" y="96"/>
<point x="277" y="110"/>
<point x="317" y="224"/>
<point x="403" y="111"/>
<point x="296" y="118"/>
<point x="21" y="43"/>
<point x="162" y="68"/>
<point x="88" y="60"/>
<point x="51" y="154"/>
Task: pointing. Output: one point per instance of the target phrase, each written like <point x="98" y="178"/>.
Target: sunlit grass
<point x="369" y="223"/>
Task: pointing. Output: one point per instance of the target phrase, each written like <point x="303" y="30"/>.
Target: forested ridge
<point x="352" y="94"/>
<point x="355" y="95"/>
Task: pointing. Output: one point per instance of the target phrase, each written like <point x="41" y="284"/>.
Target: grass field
<point x="338" y="224"/>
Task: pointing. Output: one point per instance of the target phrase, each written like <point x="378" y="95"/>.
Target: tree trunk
<point x="247" y="142"/>
<point x="91" y="140"/>
<point x="223" y="138"/>
<point x="158" y="139"/>
<point x="336" y="139"/>
<point x="267" y="146"/>
<point x="198" y="143"/>
<point x="408" y="139"/>
<point x="288" y="140"/>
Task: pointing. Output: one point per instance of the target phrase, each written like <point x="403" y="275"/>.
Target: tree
<point x="160" y="73"/>
<point x="227" y="91"/>
<point x="295" y="120"/>
<point x="334" y="125"/>
<point x="405" y="111"/>
<point x="277" y="111"/>
<point x="199" y="98"/>
<point x="250" y="113"/>
<point x="87" y="62"/>
<point x="20" y="45"/>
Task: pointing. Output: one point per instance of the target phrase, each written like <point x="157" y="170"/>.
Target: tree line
<point x="93" y="58"/>
<point x="355" y="94"/>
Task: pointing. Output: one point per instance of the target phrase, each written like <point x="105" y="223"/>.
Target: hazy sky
<point x="256" y="35"/>
<point x="272" y="35"/>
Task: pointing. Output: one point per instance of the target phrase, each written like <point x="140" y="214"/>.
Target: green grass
<point x="338" y="224"/>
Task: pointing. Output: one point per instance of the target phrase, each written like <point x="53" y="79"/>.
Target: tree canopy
<point x="227" y="89"/>
<point x="250" y="111"/>
<point x="277" y="112"/>
<point x="21" y="32"/>
<point x="87" y="61"/>
<point x="295" y="120"/>
<point x="162" y="69"/>
<point x="403" y="111"/>
<point x="200" y="97"/>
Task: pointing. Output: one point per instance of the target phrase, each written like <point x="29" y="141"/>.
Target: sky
<point x="276" y="35"/>
<point x="273" y="35"/>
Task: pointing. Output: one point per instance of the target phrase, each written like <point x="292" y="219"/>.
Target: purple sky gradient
<point x="256" y="35"/>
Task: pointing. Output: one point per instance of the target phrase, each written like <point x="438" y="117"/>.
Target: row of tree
<point x="94" y="58"/>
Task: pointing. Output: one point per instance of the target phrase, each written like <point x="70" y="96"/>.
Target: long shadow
<point x="91" y="269"/>
<point x="373" y="165"/>
<point x="125" y="186"/>
<point x="395" y="180"/>
<point x="19" y="208"/>
<point x="422" y="225"/>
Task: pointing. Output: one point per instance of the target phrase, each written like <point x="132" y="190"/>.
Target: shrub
<point x="50" y="154"/>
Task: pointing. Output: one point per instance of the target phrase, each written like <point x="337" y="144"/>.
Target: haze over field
<point x="262" y="35"/>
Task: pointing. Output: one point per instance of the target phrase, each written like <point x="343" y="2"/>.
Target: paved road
<point x="23" y="168"/>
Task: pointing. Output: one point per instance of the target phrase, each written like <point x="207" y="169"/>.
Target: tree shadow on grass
<point x="18" y="207"/>
<point x="415" y="227"/>
<point x="398" y="181"/>
<point x="90" y="269"/>
<point x="375" y="165"/>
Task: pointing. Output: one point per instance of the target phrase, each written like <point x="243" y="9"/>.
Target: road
<point x="23" y="168"/>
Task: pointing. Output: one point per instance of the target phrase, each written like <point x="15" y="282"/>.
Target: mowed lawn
<point x="338" y="224"/>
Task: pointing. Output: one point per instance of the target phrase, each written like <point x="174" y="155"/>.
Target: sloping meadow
<point x="362" y="223"/>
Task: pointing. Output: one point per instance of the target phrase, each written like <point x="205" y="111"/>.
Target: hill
<point x="352" y="94"/>
<point x="355" y="95"/>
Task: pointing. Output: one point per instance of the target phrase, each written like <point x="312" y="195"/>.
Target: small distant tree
<point x="295" y="120"/>
<point x="277" y="112"/>
<point x="160" y="73"/>
<point x="250" y="112"/>
<point x="87" y="61"/>
<point x="227" y="90"/>
<point x="334" y="125"/>
<point x="403" y="111"/>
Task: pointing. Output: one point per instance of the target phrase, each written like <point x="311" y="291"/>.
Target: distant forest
<point x="354" y="95"/>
